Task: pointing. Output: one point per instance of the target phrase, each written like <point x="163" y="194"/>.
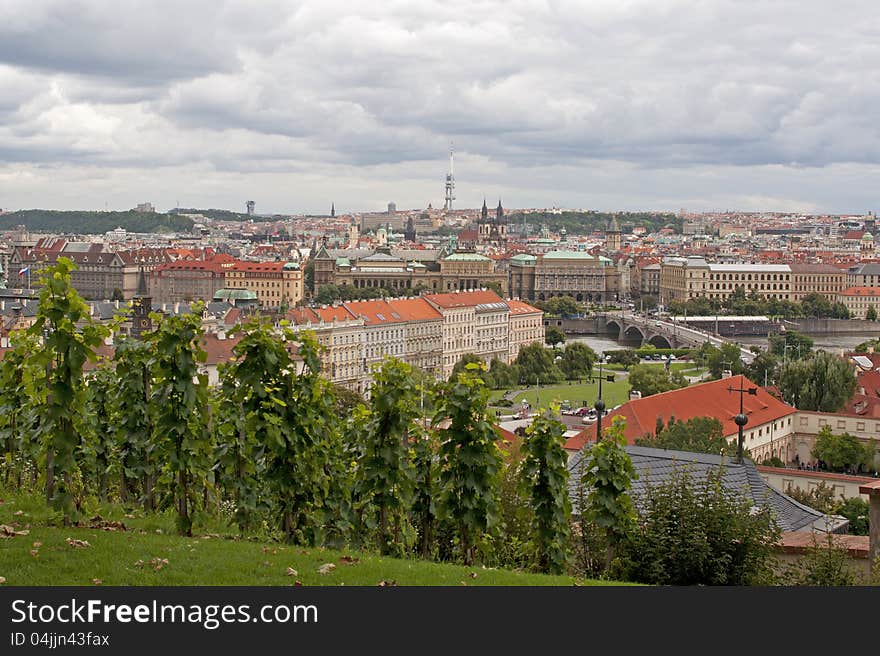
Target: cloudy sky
<point x="604" y="104"/>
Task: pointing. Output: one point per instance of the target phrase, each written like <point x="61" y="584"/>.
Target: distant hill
<point x="94" y="223"/>
<point x="226" y="215"/>
<point x="579" y="223"/>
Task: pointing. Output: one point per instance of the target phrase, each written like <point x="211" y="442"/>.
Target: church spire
<point x="499" y="213"/>
<point x="484" y="213"/>
<point x="332" y="210"/>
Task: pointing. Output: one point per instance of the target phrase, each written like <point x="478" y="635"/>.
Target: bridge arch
<point x="660" y="341"/>
<point x="633" y="333"/>
<point x="612" y="328"/>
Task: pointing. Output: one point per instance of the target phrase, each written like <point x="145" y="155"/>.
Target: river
<point x="832" y="343"/>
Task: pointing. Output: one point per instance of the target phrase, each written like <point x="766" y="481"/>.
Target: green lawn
<point x="148" y="553"/>
<point x="578" y="394"/>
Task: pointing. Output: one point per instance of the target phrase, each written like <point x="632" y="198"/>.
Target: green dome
<point x="227" y="294"/>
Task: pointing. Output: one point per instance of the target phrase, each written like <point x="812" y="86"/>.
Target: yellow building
<point x="276" y="284"/>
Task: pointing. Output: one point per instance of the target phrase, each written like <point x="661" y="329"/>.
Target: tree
<point x="842" y="452"/>
<point x="871" y="314"/>
<point x="299" y="461"/>
<point x="816" y="305"/>
<point x="385" y="475"/>
<point x="536" y="364"/>
<point x="309" y="276"/>
<point x="728" y="357"/>
<point x="822" y="383"/>
<point x="577" y="361"/>
<point x="607" y="474"/>
<point x="254" y="393"/>
<point x="699" y="532"/>
<point x="650" y="379"/>
<point x="463" y="362"/>
<point x="626" y="357"/>
<point x="554" y="336"/>
<point x="69" y="339"/>
<point x="560" y="306"/>
<point x="544" y="478"/>
<point x="178" y="399"/>
<point x="470" y="461"/>
<point x="790" y="345"/>
<point x="346" y="400"/>
<point x="502" y="375"/>
<point x="99" y="445"/>
<point x="698" y="435"/>
<point x="21" y="398"/>
<point x="763" y="368"/>
<point x="133" y="422"/>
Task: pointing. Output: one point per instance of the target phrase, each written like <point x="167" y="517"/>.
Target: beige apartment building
<point x="858" y="299"/>
<point x="341" y="334"/>
<point x="823" y="279"/>
<point x="276" y="284"/>
<point x="423" y="333"/>
<point x="685" y="278"/>
<point x="526" y="327"/>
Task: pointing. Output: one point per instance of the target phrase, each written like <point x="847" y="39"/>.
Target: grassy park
<point x="128" y="548"/>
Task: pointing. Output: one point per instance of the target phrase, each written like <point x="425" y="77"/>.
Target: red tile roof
<point x="218" y="350"/>
<point x="463" y="299"/>
<point x="374" y="312"/>
<point x="518" y="307"/>
<point x="325" y="313"/>
<point x="860" y="291"/>
<point x="258" y="266"/>
<point x="710" y="399"/>
<point x="414" y="309"/>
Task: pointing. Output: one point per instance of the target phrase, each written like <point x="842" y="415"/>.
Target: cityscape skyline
<point x="609" y="106"/>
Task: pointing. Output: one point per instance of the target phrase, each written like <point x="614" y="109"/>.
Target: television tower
<point x="450" y="183"/>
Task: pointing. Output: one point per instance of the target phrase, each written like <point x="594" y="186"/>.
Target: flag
<point x="24" y="270"/>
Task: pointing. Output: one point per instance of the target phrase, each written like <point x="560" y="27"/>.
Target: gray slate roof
<point x="655" y="467"/>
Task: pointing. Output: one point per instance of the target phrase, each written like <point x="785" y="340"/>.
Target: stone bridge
<point x="633" y="328"/>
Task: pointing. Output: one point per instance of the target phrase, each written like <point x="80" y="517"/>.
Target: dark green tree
<point x="544" y="479"/>
<point x="69" y="339"/>
<point x="698" y="434"/>
<point x="823" y="382"/>
<point x="99" y="443"/>
<point x="696" y="531"/>
<point x="651" y="379"/>
<point x="133" y="423"/>
<point x="21" y="399"/>
<point x="385" y="477"/>
<point x="790" y="345"/>
<point x="763" y="368"/>
<point x="299" y="462"/>
<point x="470" y="461"/>
<point x="554" y="336"/>
<point x="178" y="398"/>
<point x="536" y="364"/>
<point x="607" y="473"/>
<point x="577" y="361"/>
<point x="871" y="314"/>
<point x="254" y="395"/>
<point x="842" y="452"/>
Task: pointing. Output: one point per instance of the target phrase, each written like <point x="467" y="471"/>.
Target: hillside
<point x="130" y="549"/>
<point x="91" y="223"/>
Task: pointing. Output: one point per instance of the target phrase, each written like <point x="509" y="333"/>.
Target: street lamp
<point x="741" y="419"/>
<point x="599" y="404"/>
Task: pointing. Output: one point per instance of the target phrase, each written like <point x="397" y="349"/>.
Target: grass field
<point x="148" y="553"/>
<point x="578" y="394"/>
